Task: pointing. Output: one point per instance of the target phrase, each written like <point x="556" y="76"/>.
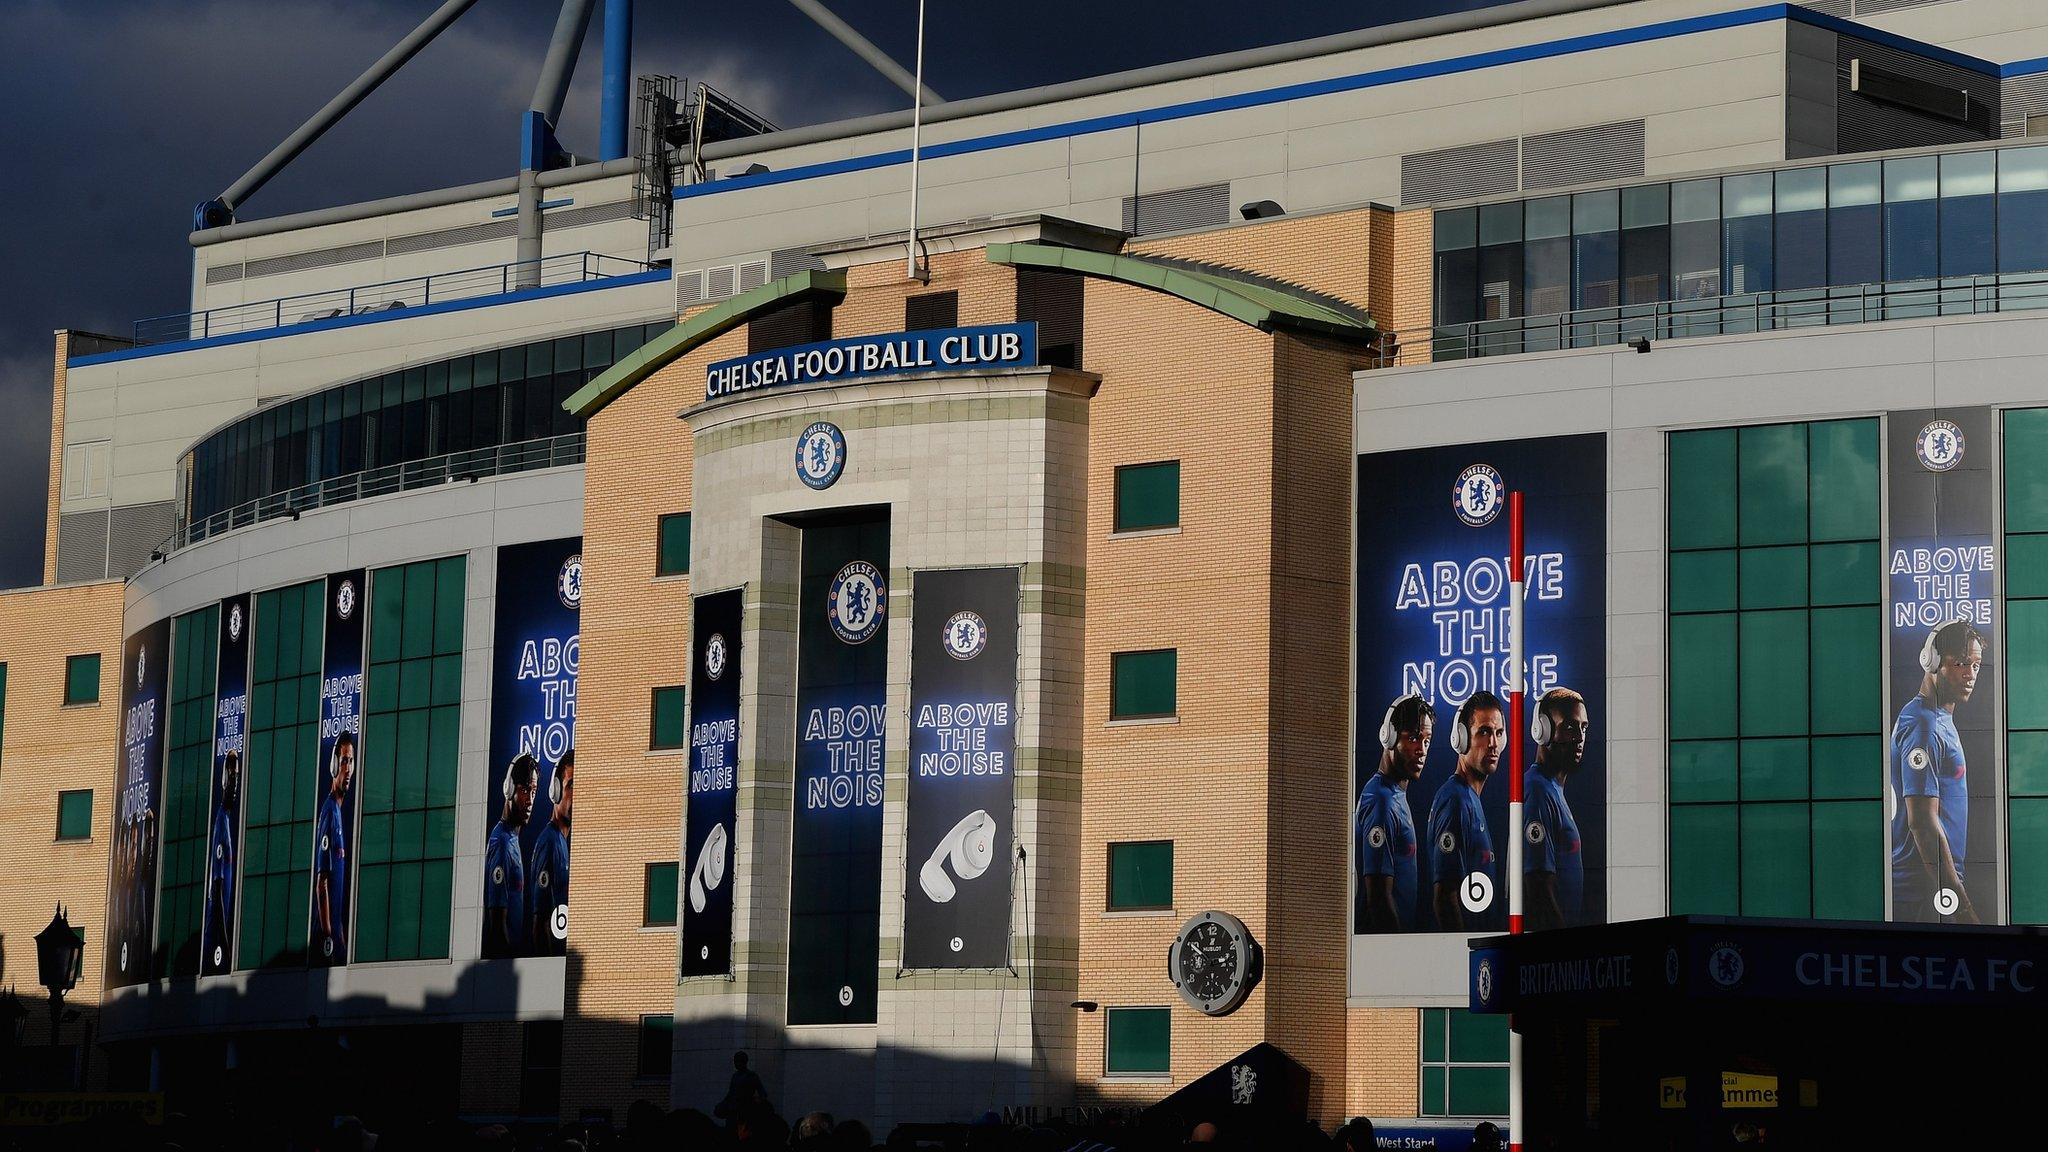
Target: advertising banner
<point x="836" y="827"/>
<point x="341" y="734"/>
<point x="138" y="805"/>
<point x="710" y="828"/>
<point x="963" y="747"/>
<point x="1941" y="760"/>
<point x="1429" y="819"/>
<point x="530" y="790"/>
<point x="224" y="836"/>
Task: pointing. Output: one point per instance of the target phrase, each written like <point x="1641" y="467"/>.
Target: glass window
<point x="658" y="899"/>
<point x="1148" y="496"/>
<point x="1702" y="475"/>
<point x="1777" y="860"/>
<point x="1801" y="234"/>
<point x="669" y="726"/>
<point x="672" y="554"/>
<point x="1596" y="249"/>
<point x="1911" y="225"/>
<point x="1746" y="212"/>
<point x="1546" y="255"/>
<point x="657" y="1047"/>
<point x="1703" y="861"/>
<point x="283" y="746"/>
<point x="1855" y="223"/>
<point x="1457" y="265"/>
<point x="82" y="679"/>
<point x="1464" y="1069"/>
<point x="188" y="792"/>
<point x="1772" y="503"/>
<point x="1696" y="240"/>
<point x="1141" y="875"/>
<point x="1851" y="831"/>
<point x="1969" y="213"/>
<point x="1500" y="261"/>
<point x="74" y="815"/>
<point x="1143" y="684"/>
<point x="1646" y="244"/>
<point x="1137" y="1041"/>
<point x="2023" y="210"/>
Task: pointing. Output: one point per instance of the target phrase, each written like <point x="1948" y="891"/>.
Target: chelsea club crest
<point x="1477" y="496"/>
<point x="857" y="601"/>
<point x="345" y="599"/>
<point x="820" y="455"/>
<point x="1939" y="446"/>
<point x="965" y="636"/>
<point x="569" y="582"/>
<point x="714" y="656"/>
<point x="235" y="622"/>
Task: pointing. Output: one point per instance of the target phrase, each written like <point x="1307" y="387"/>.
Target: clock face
<point x="1211" y="962"/>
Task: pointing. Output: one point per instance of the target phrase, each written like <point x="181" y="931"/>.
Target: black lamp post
<point x="59" y="951"/>
<point x="13" y="1018"/>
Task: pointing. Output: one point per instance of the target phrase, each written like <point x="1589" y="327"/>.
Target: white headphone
<point x="1389" y="737"/>
<point x="512" y="770"/>
<point x="970" y="846"/>
<point x="555" y="784"/>
<point x="1930" y="660"/>
<point x="1541" y="727"/>
<point x="1461" y="733"/>
<point x="709" y="872"/>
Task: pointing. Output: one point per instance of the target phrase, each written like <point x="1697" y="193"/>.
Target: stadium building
<point x="973" y="655"/>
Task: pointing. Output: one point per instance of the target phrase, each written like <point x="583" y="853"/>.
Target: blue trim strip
<point x="1437" y="68"/>
<point x="2024" y="67"/>
<point x="544" y="206"/>
<point x="491" y="301"/>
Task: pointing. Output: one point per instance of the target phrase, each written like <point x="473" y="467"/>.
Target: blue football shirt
<point x="1927" y="760"/>
<point x="1459" y="843"/>
<point x="1386" y="841"/>
<point x="1552" y="838"/>
<point x="550" y="871"/>
<point x="505" y="881"/>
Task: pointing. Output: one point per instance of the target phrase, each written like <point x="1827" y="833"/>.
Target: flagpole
<point x="916" y="133"/>
<point x="1517" y="733"/>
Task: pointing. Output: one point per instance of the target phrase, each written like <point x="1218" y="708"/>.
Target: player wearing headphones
<point x="1384" y="825"/>
<point x="504" y="872"/>
<point x="549" y="866"/>
<point x="1931" y="821"/>
<point x="1460" y="845"/>
<point x="1552" y="865"/>
<point x="330" y="857"/>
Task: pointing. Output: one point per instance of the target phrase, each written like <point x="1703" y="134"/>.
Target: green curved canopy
<point x="1263" y="305"/>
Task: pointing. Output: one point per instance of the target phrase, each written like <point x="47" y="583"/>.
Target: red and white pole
<point x="1517" y="731"/>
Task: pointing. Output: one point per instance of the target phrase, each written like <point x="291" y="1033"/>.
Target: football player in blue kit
<point x="330" y="855"/>
<point x="1552" y="865"/>
<point x="504" y="869"/>
<point x="549" y="866"/>
<point x="1384" y="826"/>
<point x="1930" y="782"/>
<point x="220" y="864"/>
<point x="1460" y="844"/>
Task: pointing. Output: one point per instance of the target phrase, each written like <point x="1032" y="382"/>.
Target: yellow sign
<point x="1738" y="1090"/>
<point x="46" y="1109"/>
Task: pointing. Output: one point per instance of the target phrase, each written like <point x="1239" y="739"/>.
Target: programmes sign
<point x="1429" y="820"/>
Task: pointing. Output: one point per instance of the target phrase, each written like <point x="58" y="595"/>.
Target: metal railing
<point x="1720" y="316"/>
<point x="389" y="296"/>
<point x="405" y="476"/>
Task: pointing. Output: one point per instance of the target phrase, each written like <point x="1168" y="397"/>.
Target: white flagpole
<point x="916" y="132"/>
<point x="1517" y="732"/>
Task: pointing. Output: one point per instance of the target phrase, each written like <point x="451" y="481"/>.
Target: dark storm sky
<point x="117" y="116"/>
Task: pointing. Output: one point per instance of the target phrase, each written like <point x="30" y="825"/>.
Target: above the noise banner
<point x="1429" y="817"/>
<point x="529" y="798"/>
<point x="138" y="806"/>
<point x="341" y="734"/>
<point x="936" y="350"/>
<point x="1941" y="753"/>
<point x="963" y="748"/>
<point x="710" y="827"/>
<point x="224" y="836"/>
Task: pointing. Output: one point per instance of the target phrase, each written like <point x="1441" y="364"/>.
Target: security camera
<point x="709" y="872"/>
<point x="970" y="846"/>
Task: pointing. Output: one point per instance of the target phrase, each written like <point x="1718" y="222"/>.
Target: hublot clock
<point x="1214" y="963"/>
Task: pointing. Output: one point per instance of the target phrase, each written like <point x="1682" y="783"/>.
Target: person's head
<point x="1958" y="655"/>
<point x="519" y="778"/>
<point x="814" y="1125"/>
<point x="1486" y="1137"/>
<point x="853" y="1136"/>
<point x="1482" y="728"/>
<point x="565" y="771"/>
<point x="1204" y="1133"/>
<point x="1567" y="726"/>
<point x="231" y="777"/>
<point x="343" y="764"/>
<point x="739" y="1061"/>
<point x="1356" y="1136"/>
<point x="1411" y="723"/>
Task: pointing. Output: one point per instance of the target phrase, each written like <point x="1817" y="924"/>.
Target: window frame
<point x="1117" y="717"/>
<point x="1109" y="1070"/>
<point x="1117" y="524"/>
<point x="640" y="1070"/>
<point x="1110" y="904"/>
<point x="647" y="890"/>
<point x="98" y="672"/>
<point x="1423" y="1063"/>
<point x="59" y="837"/>
<point x="654" y="700"/>
<point x="661" y="527"/>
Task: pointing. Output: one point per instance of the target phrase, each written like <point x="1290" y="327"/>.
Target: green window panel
<point x="283" y="743"/>
<point x="74" y="815"/>
<point x="1773" y="660"/>
<point x="1144" y="684"/>
<point x="658" y="900"/>
<point x="82" y="678"/>
<point x="2029" y="848"/>
<point x="1703" y="581"/>
<point x="1703" y="771"/>
<point x="1703" y="684"/>
<point x="1848" y="670"/>
<point x="1851" y="573"/>
<point x="1773" y="577"/>
<point x="672" y="554"/>
<point x="1141" y="875"/>
<point x="1848" y="860"/>
<point x="2026" y="479"/>
<point x="1464" y="1064"/>
<point x="1844" y="480"/>
<point x="1777" y="868"/>
<point x="657" y="1047"/>
<point x="2026" y="565"/>
<point x="2027" y="764"/>
<point x="1772" y="489"/>
<point x="1137" y="1041"/>
<point x="2026" y="663"/>
<point x="1774" y="769"/>
<point x="1478" y="1092"/>
<point x="1477" y="1039"/>
<point x="1703" y="483"/>
<point x="669" y="726"/>
<point x="1148" y="496"/>
<point x="188" y="790"/>
<point x="1703" y="862"/>
<point x="412" y="731"/>
<point x="1848" y="767"/>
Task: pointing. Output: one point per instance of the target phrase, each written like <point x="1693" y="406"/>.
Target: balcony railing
<point x="390" y="296"/>
<point x="1724" y="315"/>
<point x="406" y="476"/>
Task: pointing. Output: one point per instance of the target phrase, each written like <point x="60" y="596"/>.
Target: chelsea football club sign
<point x="900" y="353"/>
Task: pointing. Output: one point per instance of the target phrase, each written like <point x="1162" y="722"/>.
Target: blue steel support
<point x="617" y="115"/>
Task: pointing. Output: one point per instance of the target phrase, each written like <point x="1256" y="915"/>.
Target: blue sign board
<point x="895" y="354"/>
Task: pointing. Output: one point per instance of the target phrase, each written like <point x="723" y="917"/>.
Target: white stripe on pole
<point x="916" y="130"/>
<point x="1517" y="733"/>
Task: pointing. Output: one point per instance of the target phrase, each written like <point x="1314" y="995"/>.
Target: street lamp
<point x="59" y="953"/>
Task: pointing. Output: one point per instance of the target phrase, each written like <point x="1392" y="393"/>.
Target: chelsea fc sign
<point x="935" y="351"/>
